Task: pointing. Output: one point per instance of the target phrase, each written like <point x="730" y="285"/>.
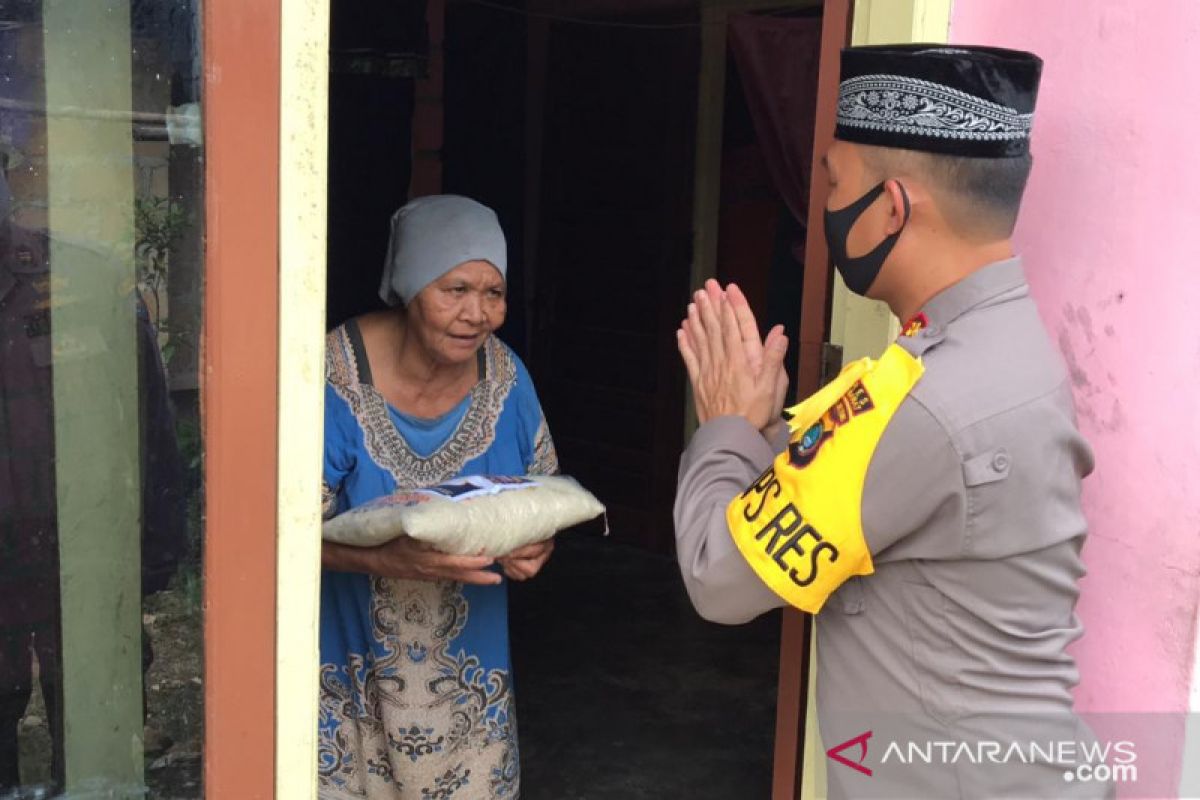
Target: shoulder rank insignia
<point x="915" y="325"/>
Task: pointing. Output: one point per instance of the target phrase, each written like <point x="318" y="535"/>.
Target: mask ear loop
<point x="907" y="204"/>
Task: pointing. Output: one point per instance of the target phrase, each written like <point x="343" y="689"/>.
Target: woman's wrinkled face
<point x="453" y="316"/>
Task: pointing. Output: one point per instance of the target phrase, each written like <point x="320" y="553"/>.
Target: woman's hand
<point x="523" y="564"/>
<point x="411" y="560"/>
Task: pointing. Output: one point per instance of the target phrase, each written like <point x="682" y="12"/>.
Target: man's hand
<point x="731" y="370"/>
<point x="523" y="564"/>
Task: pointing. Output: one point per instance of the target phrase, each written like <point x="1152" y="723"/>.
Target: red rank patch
<point x="915" y="325"/>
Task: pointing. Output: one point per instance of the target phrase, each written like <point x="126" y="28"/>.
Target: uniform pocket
<point x="990" y="467"/>
<point x="849" y="597"/>
<point x="935" y="653"/>
<point x="987" y="488"/>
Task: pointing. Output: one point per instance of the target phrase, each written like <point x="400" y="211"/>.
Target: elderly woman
<point x="416" y="690"/>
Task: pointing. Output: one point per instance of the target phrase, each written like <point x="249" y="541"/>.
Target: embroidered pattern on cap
<point x="897" y="104"/>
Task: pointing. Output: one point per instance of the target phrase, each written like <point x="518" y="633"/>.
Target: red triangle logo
<point x="860" y="741"/>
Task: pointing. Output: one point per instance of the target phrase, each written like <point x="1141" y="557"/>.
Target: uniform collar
<point x="979" y="288"/>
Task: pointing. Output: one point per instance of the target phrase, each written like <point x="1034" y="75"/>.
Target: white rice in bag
<point x="470" y="515"/>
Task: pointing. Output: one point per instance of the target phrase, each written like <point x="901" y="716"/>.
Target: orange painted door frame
<point x="239" y="375"/>
<point x="794" y="649"/>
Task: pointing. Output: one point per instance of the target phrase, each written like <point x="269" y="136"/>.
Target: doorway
<point x="578" y="125"/>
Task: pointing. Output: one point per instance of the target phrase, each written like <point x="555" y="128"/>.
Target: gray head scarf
<point x="433" y="235"/>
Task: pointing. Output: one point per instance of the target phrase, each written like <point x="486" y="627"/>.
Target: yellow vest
<point x="800" y="524"/>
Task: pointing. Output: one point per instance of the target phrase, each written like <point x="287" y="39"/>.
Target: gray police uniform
<point x="971" y="510"/>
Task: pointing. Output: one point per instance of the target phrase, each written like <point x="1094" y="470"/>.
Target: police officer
<point x="29" y="565"/>
<point x="926" y="504"/>
<point x="29" y="585"/>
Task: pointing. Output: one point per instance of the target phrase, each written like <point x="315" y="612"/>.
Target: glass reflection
<point x="101" y="203"/>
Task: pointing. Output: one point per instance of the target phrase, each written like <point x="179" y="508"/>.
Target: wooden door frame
<point x="794" y="648"/>
<point x="861" y="327"/>
<point x="239" y="393"/>
<point x="795" y="700"/>
<point x="303" y="222"/>
<point x="262" y="383"/>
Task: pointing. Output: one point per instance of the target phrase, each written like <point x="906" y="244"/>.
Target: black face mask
<point x="859" y="273"/>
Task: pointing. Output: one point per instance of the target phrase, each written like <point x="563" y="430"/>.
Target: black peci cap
<point x="947" y="99"/>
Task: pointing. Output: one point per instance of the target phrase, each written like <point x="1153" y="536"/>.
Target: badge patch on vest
<point x="800" y="524"/>
<point x="856" y="401"/>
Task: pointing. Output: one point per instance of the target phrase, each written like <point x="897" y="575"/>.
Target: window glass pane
<point x="101" y="223"/>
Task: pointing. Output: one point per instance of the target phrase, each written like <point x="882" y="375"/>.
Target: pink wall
<point x="1110" y="232"/>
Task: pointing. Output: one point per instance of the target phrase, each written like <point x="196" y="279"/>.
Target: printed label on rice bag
<point x="461" y="489"/>
<point x="399" y="499"/>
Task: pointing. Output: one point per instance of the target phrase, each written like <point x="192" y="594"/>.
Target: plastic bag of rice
<point x="485" y="514"/>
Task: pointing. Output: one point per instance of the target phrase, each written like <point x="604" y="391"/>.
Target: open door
<point x="793" y="734"/>
<point x="790" y="769"/>
<point x="859" y="327"/>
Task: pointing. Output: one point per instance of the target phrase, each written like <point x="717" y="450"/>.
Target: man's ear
<point x="901" y="208"/>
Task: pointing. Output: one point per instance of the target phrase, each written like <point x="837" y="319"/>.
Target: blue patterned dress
<point x="416" y="689"/>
